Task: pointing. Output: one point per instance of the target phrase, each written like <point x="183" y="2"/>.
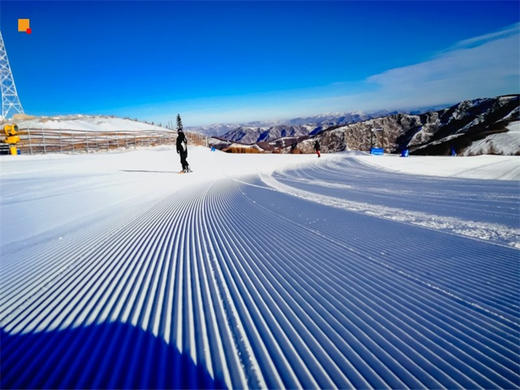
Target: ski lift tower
<point x="10" y="102"/>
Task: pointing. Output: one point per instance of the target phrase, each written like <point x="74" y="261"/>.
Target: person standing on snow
<point x="182" y="146"/>
<point x="317" y="148"/>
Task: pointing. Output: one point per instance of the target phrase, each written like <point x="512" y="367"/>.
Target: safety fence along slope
<point x="38" y="141"/>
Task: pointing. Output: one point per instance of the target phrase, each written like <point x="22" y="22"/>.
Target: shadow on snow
<point x="146" y="171"/>
<point x="109" y="355"/>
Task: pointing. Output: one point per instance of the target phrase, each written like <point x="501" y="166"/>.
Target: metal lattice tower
<point x="10" y="102"/>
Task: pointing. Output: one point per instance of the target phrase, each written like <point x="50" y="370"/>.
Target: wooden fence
<point x="38" y="141"/>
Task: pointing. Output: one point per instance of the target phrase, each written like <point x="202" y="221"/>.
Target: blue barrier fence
<point x="377" y="151"/>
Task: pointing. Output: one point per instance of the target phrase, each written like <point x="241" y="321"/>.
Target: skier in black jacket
<point x="182" y="149"/>
<point x="317" y="148"/>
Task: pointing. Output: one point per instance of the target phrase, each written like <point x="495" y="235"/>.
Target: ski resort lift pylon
<point x="10" y="102"/>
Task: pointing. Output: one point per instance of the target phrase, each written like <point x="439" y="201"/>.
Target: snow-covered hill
<point x="255" y="271"/>
<point x="432" y="133"/>
<point x="507" y="143"/>
<point x="85" y="123"/>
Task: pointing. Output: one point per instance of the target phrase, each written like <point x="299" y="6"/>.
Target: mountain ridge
<point x="315" y="123"/>
<point x="434" y="132"/>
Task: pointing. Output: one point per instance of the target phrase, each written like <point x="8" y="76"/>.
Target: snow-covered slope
<point x="503" y="143"/>
<point x="476" y="167"/>
<point x="103" y="181"/>
<point x="117" y="272"/>
<point x="86" y="123"/>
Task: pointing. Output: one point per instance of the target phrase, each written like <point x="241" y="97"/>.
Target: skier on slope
<point x="182" y="146"/>
<point x="317" y="148"/>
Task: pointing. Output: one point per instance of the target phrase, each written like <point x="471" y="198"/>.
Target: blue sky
<point x="238" y="61"/>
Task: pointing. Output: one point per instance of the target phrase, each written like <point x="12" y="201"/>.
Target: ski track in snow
<point x="442" y="204"/>
<point x="258" y="287"/>
<point x="497" y="233"/>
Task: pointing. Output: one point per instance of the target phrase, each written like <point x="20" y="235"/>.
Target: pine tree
<point x="179" y="122"/>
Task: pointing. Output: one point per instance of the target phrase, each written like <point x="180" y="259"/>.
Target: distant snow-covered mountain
<point x="266" y="131"/>
<point x="213" y="130"/>
<point x="470" y="127"/>
<point x="296" y="127"/>
<point x="249" y="135"/>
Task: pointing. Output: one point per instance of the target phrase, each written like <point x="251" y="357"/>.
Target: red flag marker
<point x="28" y="31"/>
